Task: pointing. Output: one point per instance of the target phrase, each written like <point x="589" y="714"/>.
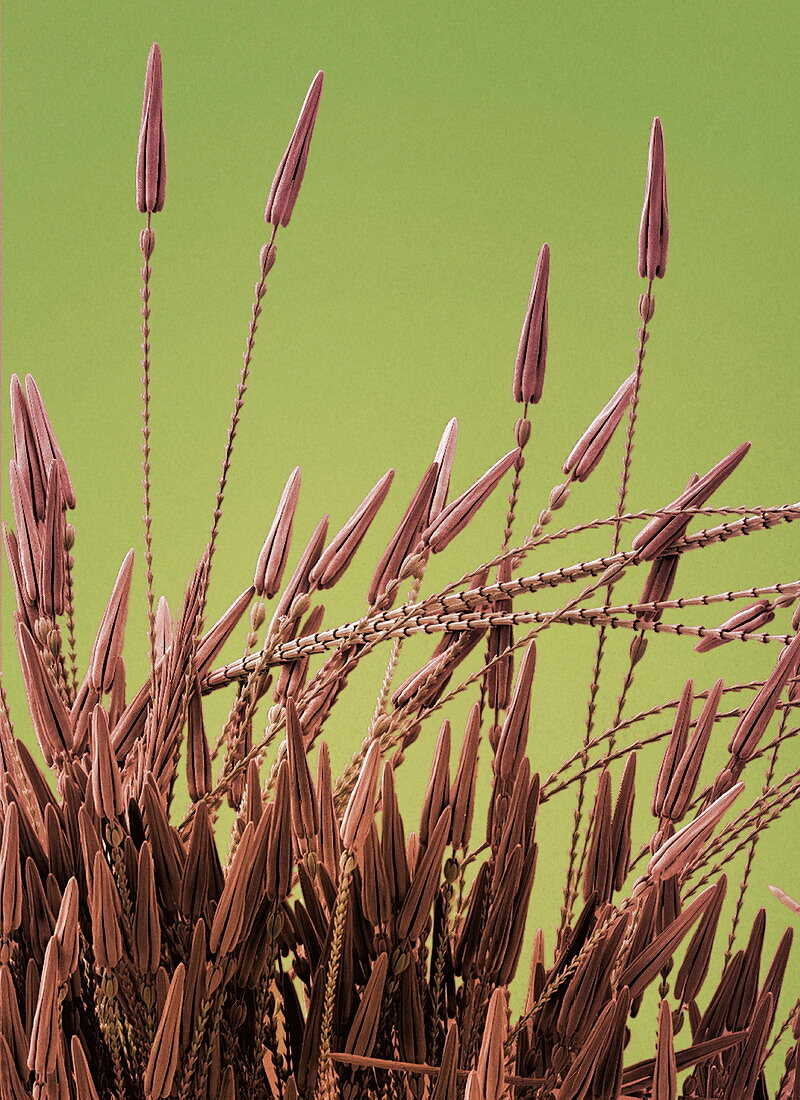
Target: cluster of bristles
<point x="333" y="952"/>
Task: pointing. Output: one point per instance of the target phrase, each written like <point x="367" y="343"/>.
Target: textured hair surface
<point x="193" y="909"/>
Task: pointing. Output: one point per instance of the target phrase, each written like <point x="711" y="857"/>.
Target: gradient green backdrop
<point x="453" y="139"/>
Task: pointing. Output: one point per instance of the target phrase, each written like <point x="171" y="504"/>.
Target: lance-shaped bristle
<point x="198" y="753"/>
<point x="423" y="687"/>
<point x="25" y="609"/>
<point x="745" y="1074"/>
<point x="30" y="468"/>
<point x="785" y="899"/>
<point x="445" y="453"/>
<point x="462" y="792"/>
<point x="658" y="585"/>
<point x="412" y="1017"/>
<point x="472" y="928"/>
<point x="621" y="823"/>
<point x="228" y="1089"/>
<point x="255" y="874"/>
<point x="437" y="793"/>
<point x="599" y="874"/>
<point x="446" y="1087"/>
<point x="665" y="1074"/>
<point x="685" y="769"/>
<point x="499" y="655"/>
<point x="415" y="911"/>
<point x="694" y="967"/>
<point x="162" y="1064"/>
<point x="492" y="1057"/>
<point x="80" y="715"/>
<point x="45" y="438"/>
<point x="753" y="617"/>
<point x="495" y="950"/>
<point x="676" y="747"/>
<point x="81" y="1074"/>
<point x="215" y="638"/>
<point x="106" y="781"/>
<point x="106" y="908"/>
<point x="272" y="559"/>
<point x="286" y="184"/>
<point x="329" y="848"/>
<point x="513" y="824"/>
<point x="111" y="634"/>
<point x="28" y="537"/>
<point x="376" y="895"/>
<point x="9" y="1073"/>
<point x="197" y="979"/>
<point x="10" y="874"/>
<point x="202" y="877"/>
<point x="577" y="1083"/>
<point x="531" y="362"/>
<point x="52" y="566"/>
<point x="413" y="851"/>
<point x="773" y="982"/>
<point x="756" y="718"/>
<point x="301" y="786"/>
<point x="591" y="446"/>
<point x="229" y="916"/>
<point x="608" y="1077"/>
<point x="406" y="537"/>
<point x="279" y="842"/>
<point x="642" y="969"/>
<point x="253" y="806"/>
<point x="364" y="1028"/>
<point x="65" y="933"/>
<point x="51" y="718"/>
<point x="393" y="845"/>
<point x="455" y="517"/>
<point x="508" y="958"/>
<point x="473" y="1088"/>
<point x="662" y="531"/>
<point x="46" y="1030"/>
<point x="293" y="675"/>
<point x="713" y="1020"/>
<point x="165" y="628"/>
<point x="360" y="811"/>
<point x="514" y="734"/>
<point x="151" y="160"/>
<point x="745" y="987"/>
<point x="583" y="996"/>
<point x="678" y="851"/>
<point x="146" y="939"/>
<point x="654" y="226"/>
<point x="340" y="551"/>
<point x="90" y="843"/>
<point x="300" y="581"/>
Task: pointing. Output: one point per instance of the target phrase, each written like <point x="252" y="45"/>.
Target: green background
<point x="453" y="139"/>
